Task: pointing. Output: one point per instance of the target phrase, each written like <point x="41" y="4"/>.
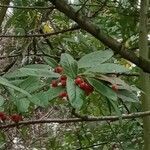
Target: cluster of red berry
<point x="84" y="85"/>
<point x="60" y="82"/>
<point x="15" y="117"/>
<point x="79" y="81"/>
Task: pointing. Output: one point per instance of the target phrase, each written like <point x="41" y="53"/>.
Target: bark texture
<point x="145" y="77"/>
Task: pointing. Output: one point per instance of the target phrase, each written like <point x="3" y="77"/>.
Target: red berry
<point x="63" y="94"/>
<point x="88" y="88"/>
<point x="63" y="82"/>
<point x="78" y="81"/>
<point x="58" y="69"/>
<point x="54" y="83"/>
<point x="16" y="118"/>
<point x="3" y="116"/>
<point x="63" y="77"/>
<point x="114" y="87"/>
<point x="83" y="85"/>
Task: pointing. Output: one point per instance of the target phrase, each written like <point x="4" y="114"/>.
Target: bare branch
<point x="75" y="120"/>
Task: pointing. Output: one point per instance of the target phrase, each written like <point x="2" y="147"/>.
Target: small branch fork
<point x="75" y="120"/>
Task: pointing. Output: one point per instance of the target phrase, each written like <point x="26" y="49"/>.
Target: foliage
<point x="27" y="88"/>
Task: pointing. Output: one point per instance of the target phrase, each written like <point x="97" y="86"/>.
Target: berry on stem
<point x="54" y="83"/>
<point x="3" y="116"/>
<point x="16" y="118"/>
<point x="63" y="82"/>
<point x="86" y="87"/>
<point x="78" y="81"/>
<point x="63" y="95"/>
<point x="114" y="87"/>
<point x="82" y="85"/>
<point x="58" y="69"/>
<point x="63" y="77"/>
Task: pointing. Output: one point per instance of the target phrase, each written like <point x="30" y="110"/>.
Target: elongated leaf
<point x="39" y="72"/>
<point x="50" y="61"/>
<point x="102" y="89"/>
<point x="108" y="68"/>
<point x="38" y="66"/>
<point x="53" y="92"/>
<point x="117" y="110"/>
<point x="5" y="82"/>
<point x="22" y="104"/>
<point x="1" y="100"/>
<point x="128" y="96"/>
<point x="94" y="59"/>
<point x="31" y="84"/>
<point x="43" y="98"/>
<point x="23" y="72"/>
<point x="15" y="74"/>
<point x="16" y="82"/>
<point x="75" y="94"/>
<point x="69" y="64"/>
<point x="36" y="99"/>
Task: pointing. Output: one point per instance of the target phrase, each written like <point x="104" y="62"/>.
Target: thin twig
<point x="26" y="7"/>
<point x="84" y="4"/>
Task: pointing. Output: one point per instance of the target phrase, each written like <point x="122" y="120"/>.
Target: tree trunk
<point x="145" y="77"/>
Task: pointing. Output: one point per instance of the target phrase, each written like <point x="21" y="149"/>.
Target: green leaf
<point x="129" y="96"/>
<point x="16" y="82"/>
<point x="14" y="74"/>
<point x="117" y="110"/>
<point x="39" y="66"/>
<point x="5" y="82"/>
<point x="31" y="84"/>
<point x="70" y="40"/>
<point x="22" y="71"/>
<point x="39" y="100"/>
<point x="50" y="61"/>
<point x="19" y="31"/>
<point x="43" y="72"/>
<point x="1" y="100"/>
<point x="75" y="94"/>
<point x="43" y="98"/>
<point x="103" y="89"/>
<point x="108" y="68"/>
<point x="53" y="92"/>
<point x="69" y="64"/>
<point x="22" y="104"/>
<point x="94" y="59"/>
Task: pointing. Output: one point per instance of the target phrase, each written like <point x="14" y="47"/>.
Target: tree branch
<point x="73" y="120"/>
<point x="97" y="32"/>
<point x="40" y="35"/>
<point x="26" y="7"/>
<point x="39" y="55"/>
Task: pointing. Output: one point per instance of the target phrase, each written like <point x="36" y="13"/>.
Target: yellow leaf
<point x="46" y="27"/>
